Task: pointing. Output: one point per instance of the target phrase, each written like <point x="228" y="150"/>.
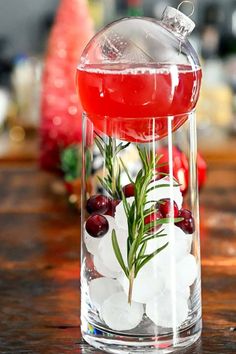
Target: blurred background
<point x="40" y="43"/>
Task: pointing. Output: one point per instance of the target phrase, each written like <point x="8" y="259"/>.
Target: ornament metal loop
<point x="187" y="2"/>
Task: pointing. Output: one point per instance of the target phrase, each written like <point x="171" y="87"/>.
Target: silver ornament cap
<point x="177" y="22"/>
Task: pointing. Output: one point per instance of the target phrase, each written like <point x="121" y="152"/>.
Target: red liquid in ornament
<point x="133" y="103"/>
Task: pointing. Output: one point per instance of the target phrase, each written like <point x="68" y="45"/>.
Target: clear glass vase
<point x="140" y="261"/>
<point x="140" y="275"/>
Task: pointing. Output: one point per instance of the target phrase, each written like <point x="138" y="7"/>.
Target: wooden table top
<point x="39" y="272"/>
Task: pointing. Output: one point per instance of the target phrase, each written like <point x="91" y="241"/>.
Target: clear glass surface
<point x="139" y="82"/>
<point x="161" y="306"/>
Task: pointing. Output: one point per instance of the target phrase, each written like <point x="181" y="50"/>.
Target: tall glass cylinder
<point x="140" y="261"/>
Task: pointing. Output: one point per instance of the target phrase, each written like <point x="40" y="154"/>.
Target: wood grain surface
<point x="39" y="271"/>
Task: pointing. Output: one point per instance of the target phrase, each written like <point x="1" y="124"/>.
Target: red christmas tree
<point x="60" y="109"/>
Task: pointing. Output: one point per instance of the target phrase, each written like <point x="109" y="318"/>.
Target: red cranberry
<point x="97" y="225"/>
<point x="129" y="190"/>
<point x="166" y="207"/>
<point x="151" y="218"/>
<point x="187" y="224"/>
<point x="98" y="204"/>
<point x="112" y="208"/>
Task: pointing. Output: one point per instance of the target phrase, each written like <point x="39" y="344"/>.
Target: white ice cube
<point x="161" y="192"/>
<point x="101" y="289"/>
<point x="120" y="216"/>
<point x="177" y="248"/>
<point x="106" y="251"/>
<point x="92" y="243"/>
<point x="173" y="282"/>
<point x="187" y="269"/>
<point x="190" y="241"/>
<point x="185" y="291"/>
<point x="167" y="311"/>
<point x="147" y="284"/>
<point x="102" y="269"/>
<point x="119" y="315"/>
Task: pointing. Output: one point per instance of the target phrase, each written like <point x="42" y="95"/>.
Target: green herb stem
<point x="139" y="234"/>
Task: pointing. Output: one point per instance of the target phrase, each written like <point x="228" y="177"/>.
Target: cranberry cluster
<point x="100" y="205"/>
<point x="164" y="210"/>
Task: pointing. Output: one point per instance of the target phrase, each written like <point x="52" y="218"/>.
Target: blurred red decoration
<point x="60" y="109"/>
<point x="202" y="170"/>
<point x="181" y="167"/>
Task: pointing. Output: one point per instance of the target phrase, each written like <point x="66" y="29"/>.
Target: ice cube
<point x="176" y="249"/>
<point x="102" y="288"/>
<point x="187" y="269"/>
<point x="119" y="315"/>
<point x="106" y="251"/>
<point x="166" y="310"/>
<point x="184" y="290"/>
<point x="120" y="216"/>
<point x="178" y="242"/>
<point x="160" y="241"/>
<point x="146" y="285"/>
<point x="190" y="241"/>
<point x="172" y="282"/>
<point x="161" y="192"/>
<point x="92" y="243"/>
<point x="102" y="269"/>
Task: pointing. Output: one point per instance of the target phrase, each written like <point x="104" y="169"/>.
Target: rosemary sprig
<point x="139" y="233"/>
<point x="111" y="182"/>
